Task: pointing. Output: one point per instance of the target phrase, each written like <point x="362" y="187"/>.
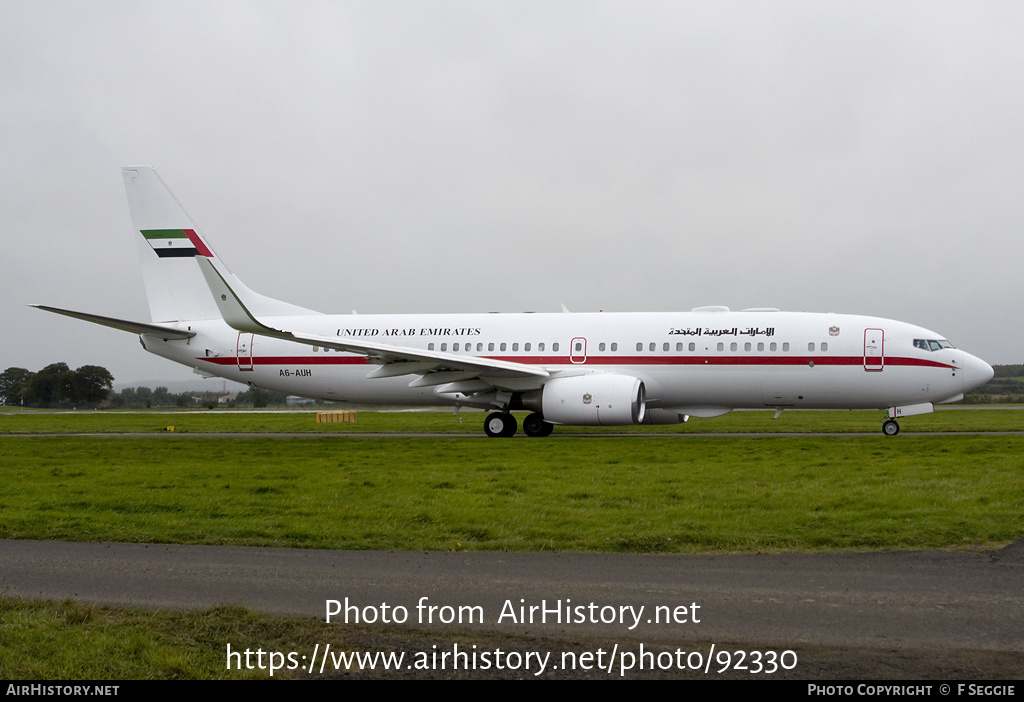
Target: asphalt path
<point x="929" y="600"/>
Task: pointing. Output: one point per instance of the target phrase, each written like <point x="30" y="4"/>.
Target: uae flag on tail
<point x="175" y="243"/>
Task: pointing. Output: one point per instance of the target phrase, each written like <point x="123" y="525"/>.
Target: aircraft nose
<point x="975" y="372"/>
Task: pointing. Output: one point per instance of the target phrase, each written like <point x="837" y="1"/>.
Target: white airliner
<point x="575" y="369"/>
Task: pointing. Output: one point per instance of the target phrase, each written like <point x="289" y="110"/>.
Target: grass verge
<point x="73" y="641"/>
<point x="660" y="495"/>
<point x="471" y="422"/>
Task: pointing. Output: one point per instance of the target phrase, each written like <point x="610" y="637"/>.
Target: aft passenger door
<point x="874" y="350"/>
<point x="244" y="351"/>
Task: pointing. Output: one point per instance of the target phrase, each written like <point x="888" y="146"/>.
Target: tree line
<point x="144" y="397"/>
<point x="1007" y="387"/>
<point x="56" y="385"/>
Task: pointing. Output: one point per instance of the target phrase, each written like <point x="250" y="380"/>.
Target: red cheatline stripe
<point x="288" y="360"/>
<point x="198" y="243"/>
<point x="329" y="360"/>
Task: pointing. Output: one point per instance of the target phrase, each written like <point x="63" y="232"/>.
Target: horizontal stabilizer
<point x="123" y="324"/>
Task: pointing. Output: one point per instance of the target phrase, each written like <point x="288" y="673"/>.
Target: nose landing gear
<point x="890" y="427"/>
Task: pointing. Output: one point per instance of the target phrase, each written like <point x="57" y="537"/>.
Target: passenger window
<point x="540" y="346"/>
<point x="444" y="347"/>
<point x="579" y="347"/>
<point x="810" y="346"/>
<point x="746" y="346"/>
<point x="824" y="346"/>
<point x="693" y="346"/>
<point x="652" y="346"/>
<point x="733" y="346"/>
<point x="639" y="346"/>
<point x="515" y="346"/>
<point x="615" y="346"/>
<point x="665" y="346"/>
<point x="455" y="347"/>
<point x="679" y="346"/>
<point x="526" y="346"/>
<point x="600" y="347"/>
<point x="760" y="346"/>
<point x="773" y="347"/>
<point x="430" y="346"/>
<point x="490" y="346"/>
<point x="785" y="346"/>
<point x="721" y="346"/>
<point x="554" y="347"/>
<point x="502" y="346"/>
<point x="479" y="347"/>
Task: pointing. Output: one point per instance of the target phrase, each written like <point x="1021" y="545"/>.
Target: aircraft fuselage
<point x="693" y="362"/>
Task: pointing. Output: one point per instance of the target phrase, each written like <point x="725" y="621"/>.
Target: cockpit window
<point x="932" y="344"/>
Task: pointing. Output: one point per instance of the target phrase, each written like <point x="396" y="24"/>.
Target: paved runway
<point x="951" y="601"/>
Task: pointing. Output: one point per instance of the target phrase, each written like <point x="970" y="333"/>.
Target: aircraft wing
<point x="435" y="367"/>
<point x="123" y="324"/>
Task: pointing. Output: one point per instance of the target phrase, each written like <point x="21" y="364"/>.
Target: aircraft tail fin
<point x="168" y="243"/>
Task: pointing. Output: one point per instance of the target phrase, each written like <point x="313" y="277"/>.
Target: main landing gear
<point x="504" y="424"/>
<point x="500" y="424"/>
<point x="534" y="425"/>
<point x="890" y="427"/>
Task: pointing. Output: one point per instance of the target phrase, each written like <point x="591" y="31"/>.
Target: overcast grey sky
<point x="505" y="156"/>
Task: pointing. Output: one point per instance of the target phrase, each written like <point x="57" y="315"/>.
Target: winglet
<point x="232" y="309"/>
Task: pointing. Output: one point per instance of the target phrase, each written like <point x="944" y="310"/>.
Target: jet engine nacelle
<point x="598" y="398"/>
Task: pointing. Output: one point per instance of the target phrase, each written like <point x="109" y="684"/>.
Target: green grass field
<point x="72" y="641"/>
<point x="471" y="422"/>
<point x="584" y="493"/>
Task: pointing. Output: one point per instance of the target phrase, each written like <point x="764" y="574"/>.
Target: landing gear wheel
<point x="890" y="428"/>
<point x="500" y="424"/>
<point x="534" y="425"/>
